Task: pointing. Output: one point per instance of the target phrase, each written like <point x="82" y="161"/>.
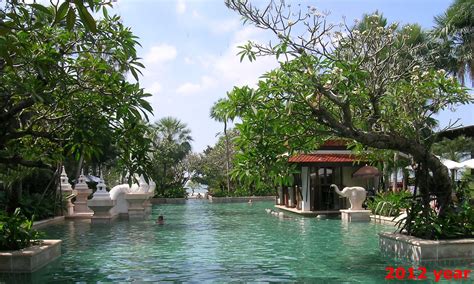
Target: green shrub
<point x="218" y="193"/>
<point x="457" y="223"/>
<point x="395" y="202"/>
<point x="42" y="207"/>
<point x="242" y="191"/>
<point x="16" y="231"/>
<point x="174" y="192"/>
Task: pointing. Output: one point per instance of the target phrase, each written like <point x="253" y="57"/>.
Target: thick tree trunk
<point x="438" y="182"/>
<point x="441" y="184"/>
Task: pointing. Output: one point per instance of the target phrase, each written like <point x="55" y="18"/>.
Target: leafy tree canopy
<point x="455" y="32"/>
<point x="63" y="87"/>
<point x="171" y="144"/>
<point x="373" y="85"/>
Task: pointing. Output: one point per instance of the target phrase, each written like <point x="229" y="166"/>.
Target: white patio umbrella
<point x="452" y="166"/>
<point x="468" y="164"/>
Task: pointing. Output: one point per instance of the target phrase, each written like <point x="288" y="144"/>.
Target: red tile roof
<point x="323" y="158"/>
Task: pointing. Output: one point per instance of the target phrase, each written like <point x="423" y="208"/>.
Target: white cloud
<point x="196" y="15"/>
<point x="189" y="60"/>
<point x="160" y="53"/>
<point x="155" y="88"/>
<point x="180" y="7"/>
<point x="205" y="83"/>
<point x="231" y="70"/>
<point x="216" y="25"/>
<point x="224" y="26"/>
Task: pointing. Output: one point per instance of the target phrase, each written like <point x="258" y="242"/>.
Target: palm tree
<point x="172" y="139"/>
<point x="218" y="113"/>
<point x="456" y="149"/>
<point x="454" y="29"/>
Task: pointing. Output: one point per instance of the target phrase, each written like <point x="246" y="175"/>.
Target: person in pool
<point x="161" y="220"/>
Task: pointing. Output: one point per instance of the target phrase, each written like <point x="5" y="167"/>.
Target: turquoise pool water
<point x="203" y="242"/>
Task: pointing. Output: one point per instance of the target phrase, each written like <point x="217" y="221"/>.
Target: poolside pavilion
<point x="311" y="194"/>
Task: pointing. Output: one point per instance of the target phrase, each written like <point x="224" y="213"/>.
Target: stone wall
<point x="168" y="200"/>
<point x="46" y="222"/>
<point x="425" y="252"/>
<point x="240" y="199"/>
<point x="30" y="259"/>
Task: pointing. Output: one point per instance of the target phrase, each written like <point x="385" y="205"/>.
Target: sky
<point x="189" y="49"/>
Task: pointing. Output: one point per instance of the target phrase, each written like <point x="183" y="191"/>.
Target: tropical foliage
<point x="211" y="167"/>
<point x="16" y="231"/>
<point x="171" y="145"/>
<point x="376" y="86"/>
<point x="458" y="223"/>
<point x="394" y="202"/>
<point x="455" y="39"/>
<point x="64" y="91"/>
<point x="457" y="149"/>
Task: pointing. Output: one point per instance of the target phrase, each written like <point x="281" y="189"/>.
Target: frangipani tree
<point x="63" y="85"/>
<point x="64" y="93"/>
<point x="374" y="86"/>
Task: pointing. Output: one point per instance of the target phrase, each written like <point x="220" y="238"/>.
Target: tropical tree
<point x="172" y="143"/>
<point x="218" y="113"/>
<point x="373" y="86"/>
<point x="454" y="149"/>
<point x="215" y="163"/>
<point x="454" y="30"/>
<point x="63" y="86"/>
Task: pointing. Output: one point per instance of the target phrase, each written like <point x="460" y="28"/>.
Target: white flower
<point x="336" y="70"/>
<point x="441" y="72"/>
<point x="327" y="85"/>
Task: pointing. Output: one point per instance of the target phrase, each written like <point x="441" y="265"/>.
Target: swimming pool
<point x="202" y="242"/>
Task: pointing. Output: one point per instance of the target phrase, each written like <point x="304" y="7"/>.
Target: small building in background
<point x="311" y="193"/>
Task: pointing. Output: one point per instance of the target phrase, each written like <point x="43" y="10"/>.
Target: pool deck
<point x="308" y="213"/>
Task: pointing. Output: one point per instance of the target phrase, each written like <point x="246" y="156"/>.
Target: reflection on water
<point x="222" y="242"/>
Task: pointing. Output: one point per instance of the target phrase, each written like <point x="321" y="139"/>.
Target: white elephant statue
<point x="356" y="195"/>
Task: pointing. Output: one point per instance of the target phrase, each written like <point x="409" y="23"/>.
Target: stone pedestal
<point x="348" y="215"/>
<point x="136" y="208"/>
<point x="83" y="192"/>
<point x="80" y="206"/>
<point x="101" y="208"/>
<point x="101" y="204"/>
<point x="69" y="207"/>
<point x="67" y="191"/>
<point x="148" y="206"/>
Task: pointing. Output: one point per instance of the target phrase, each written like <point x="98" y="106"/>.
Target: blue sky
<point x="189" y="49"/>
